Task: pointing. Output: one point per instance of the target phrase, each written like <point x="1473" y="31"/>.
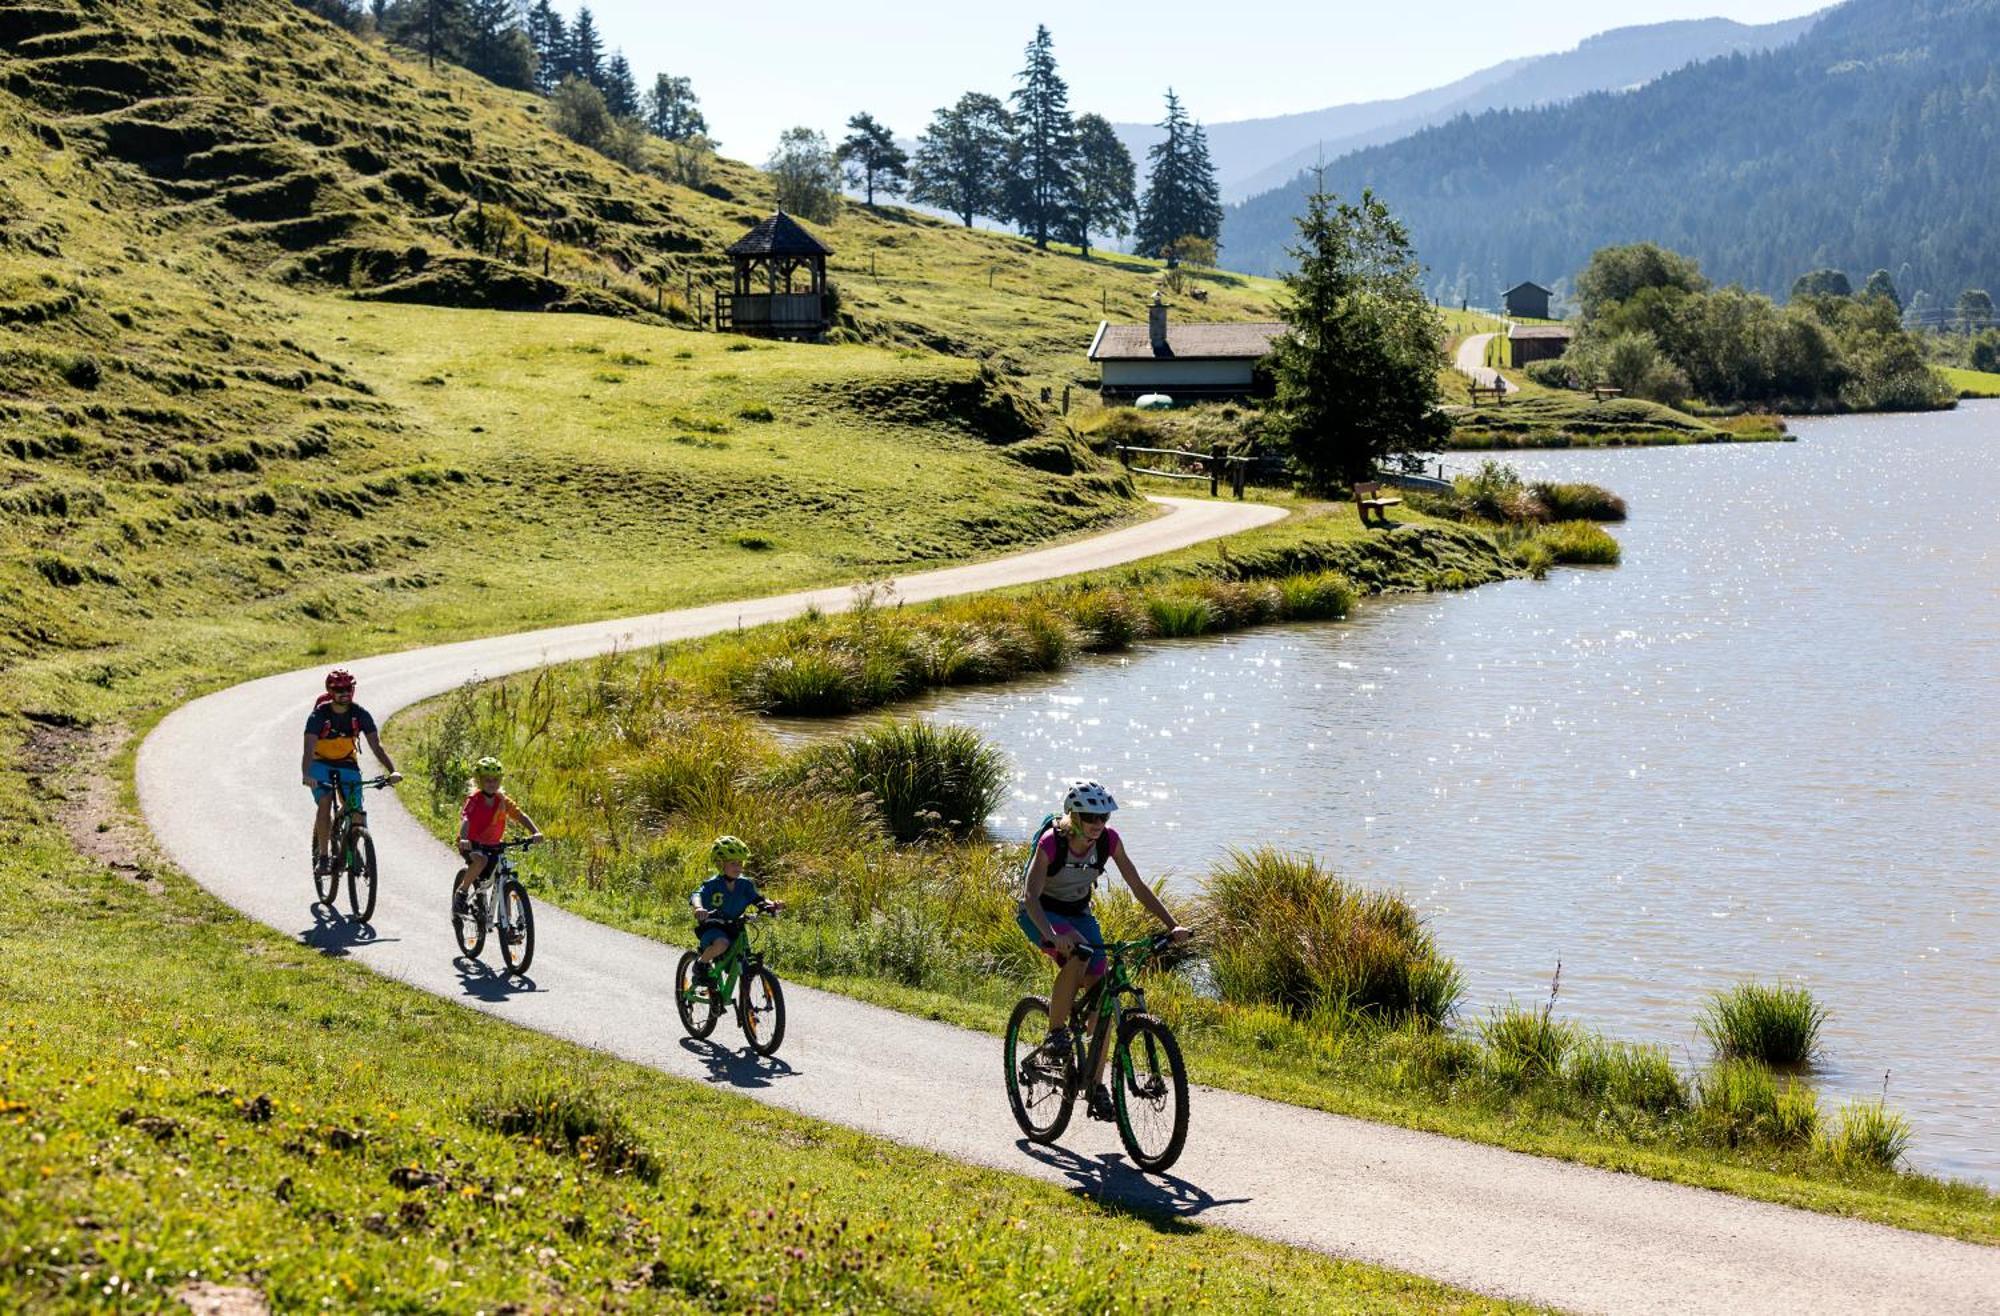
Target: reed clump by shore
<point x="1773" y="1024"/>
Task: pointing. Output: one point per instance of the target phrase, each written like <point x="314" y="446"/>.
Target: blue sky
<point x="900" y="59"/>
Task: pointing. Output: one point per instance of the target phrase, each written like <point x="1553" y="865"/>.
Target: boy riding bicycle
<point x="482" y="826"/>
<point x="724" y="899"/>
<point x="333" y="730"/>
<point x="1055" y="915"/>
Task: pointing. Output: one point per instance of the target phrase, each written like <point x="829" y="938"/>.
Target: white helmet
<point x="1088" y="797"/>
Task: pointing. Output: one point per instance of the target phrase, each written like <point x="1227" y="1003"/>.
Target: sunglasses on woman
<point x="1088" y="818"/>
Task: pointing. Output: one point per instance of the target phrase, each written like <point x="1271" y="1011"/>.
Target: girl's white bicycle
<point x="498" y="902"/>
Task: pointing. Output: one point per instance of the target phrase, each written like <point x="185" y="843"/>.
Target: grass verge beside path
<point x="193" y="1100"/>
<point x="1971" y="383"/>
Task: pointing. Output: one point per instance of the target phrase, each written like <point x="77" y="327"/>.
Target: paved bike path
<point x="1476" y="1216"/>
<point x="1471" y="362"/>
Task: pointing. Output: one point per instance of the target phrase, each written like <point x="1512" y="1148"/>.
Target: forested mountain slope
<point x="1871" y="142"/>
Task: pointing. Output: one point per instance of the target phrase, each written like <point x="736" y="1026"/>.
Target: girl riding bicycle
<point x="1055" y="915"/>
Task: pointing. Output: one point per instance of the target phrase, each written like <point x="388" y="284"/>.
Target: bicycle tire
<point x="1041" y="1108"/>
<point x="361" y="880"/>
<point x="519" y="921"/>
<point x="326" y="883"/>
<point x="1150" y="1079"/>
<point x="469" y="927"/>
<point x="698" y="1017"/>
<point x="760" y="1011"/>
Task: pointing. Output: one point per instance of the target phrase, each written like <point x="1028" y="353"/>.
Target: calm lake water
<point x="1766" y="746"/>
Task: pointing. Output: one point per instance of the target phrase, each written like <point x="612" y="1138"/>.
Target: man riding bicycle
<point x="334" y="729"/>
<point x="1056" y="917"/>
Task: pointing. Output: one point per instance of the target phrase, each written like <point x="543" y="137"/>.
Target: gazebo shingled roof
<point x="780" y="235"/>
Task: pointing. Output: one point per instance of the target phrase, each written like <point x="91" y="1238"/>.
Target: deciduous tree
<point x="1975" y="310"/>
<point x="673" y="111"/>
<point x="806" y="177"/>
<point x="1356" y="369"/>
<point x="1881" y="285"/>
<point x="961" y="159"/>
<point x="1822" y="283"/>
<point x="1105" y="182"/>
<point x="872" y="159"/>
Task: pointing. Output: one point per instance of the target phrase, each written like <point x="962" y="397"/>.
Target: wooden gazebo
<point x="771" y="260"/>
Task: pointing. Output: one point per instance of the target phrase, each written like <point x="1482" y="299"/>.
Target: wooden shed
<point x="1181" y="360"/>
<point x="780" y="288"/>
<point x="1528" y="343"/>
<point x="1527" y="301"/>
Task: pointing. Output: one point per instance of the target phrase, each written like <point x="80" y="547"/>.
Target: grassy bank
<point x="1971" y="383"/>
<point x="1553" y="418"/>
<point x="199" y="1106"/>
<point x="899" y="900"/>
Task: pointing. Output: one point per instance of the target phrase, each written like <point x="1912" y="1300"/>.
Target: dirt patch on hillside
<point x="205" y="1299"/>
<point x="70" y="768"/>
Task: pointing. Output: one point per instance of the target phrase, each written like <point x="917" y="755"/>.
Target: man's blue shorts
<point x="1083" y="925"/>
<point x="350" y="778"/>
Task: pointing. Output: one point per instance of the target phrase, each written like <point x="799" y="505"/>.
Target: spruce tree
<point x="584" y="57"/>
<point x="673" y="111"/>
<point x="1356" y="369"/>
<point x="1105" y="182"/>
<point x="1041" y="196"/>
<point x="549" y="35"/>
<point x="434" y="28"/>
<point x="872" y="159"/>
<point x="1182" y="199"/>
<point x="961" y="159"/>
<point x="496" y="47"/>
<point x="621" y="90"/>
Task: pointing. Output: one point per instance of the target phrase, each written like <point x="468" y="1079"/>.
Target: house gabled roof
<point x="1520" y="331"/>
<point x="1536" y="286"/>
<point x="1245" y="341"/>
<point x="780" y="235"/>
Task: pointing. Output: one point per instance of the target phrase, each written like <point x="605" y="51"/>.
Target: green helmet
<point x="489" y="767"/>
<point x="727" y="848"/>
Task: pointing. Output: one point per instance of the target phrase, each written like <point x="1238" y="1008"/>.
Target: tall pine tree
<point x="549" y="35"/>
<point x="872" y="159"/>
<point x="496" y="47"/>
<point x="435" y="28"/>
<point x="584" y="57"/>
<point x="1105" y="183"/>
<point x="673" y="111"/>
<point x="961" y="160"/>
<point x="1042" y="189"/>
<point x="621" y="89"/>
<point x="1182" y="199"/>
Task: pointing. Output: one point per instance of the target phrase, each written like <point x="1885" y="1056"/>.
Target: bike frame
<point x="1102" y="999"/>
<point x="731" y="966"/>
<point x="487" y="889"/>
<point x="348" y="813"/>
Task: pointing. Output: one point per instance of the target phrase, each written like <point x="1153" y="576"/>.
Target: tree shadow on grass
<point x="1166" y="1203"/>
<point x="481" y="983"/>
<point x="739" y="1069"/>
<point x="334" y="934"/>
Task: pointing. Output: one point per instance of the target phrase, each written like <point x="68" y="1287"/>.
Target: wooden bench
<point x="1603" y="391"/>
<point x="1498" y="392"/>
<point x="1367" y="498"/>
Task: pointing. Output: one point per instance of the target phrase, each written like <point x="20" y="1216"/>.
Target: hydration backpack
<point x="1100" y="856"/>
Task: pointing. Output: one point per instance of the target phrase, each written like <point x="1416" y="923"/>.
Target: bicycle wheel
<point x="517" y="928"/>
<point x="1150" y="1093"/>
<point x="326" y="881"/>
<point x="760" y="1009"/>
<point x="699" y="1007"/>
<point x="1041" y="1090"/>
<point x="361" y="879"/>
<point x="470" y="926"/>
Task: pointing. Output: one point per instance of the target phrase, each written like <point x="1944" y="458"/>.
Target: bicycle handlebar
<point x="366" y="783"/>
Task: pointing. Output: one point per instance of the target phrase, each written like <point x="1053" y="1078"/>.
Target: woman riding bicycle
<point x="1055" y="915"/>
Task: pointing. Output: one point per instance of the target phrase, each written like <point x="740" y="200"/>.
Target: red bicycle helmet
<point x="340" y="679"/>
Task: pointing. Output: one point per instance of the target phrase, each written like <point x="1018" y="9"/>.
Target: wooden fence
<point x="1215" y="467"/>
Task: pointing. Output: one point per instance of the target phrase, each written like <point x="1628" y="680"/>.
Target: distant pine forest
<point x="1871" y="143"/>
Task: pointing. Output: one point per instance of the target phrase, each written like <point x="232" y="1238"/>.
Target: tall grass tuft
<point x="1181" y="616"/>
<point x="1322" y="596"/>
<point x="1578" y="502"/>
<point x="813" y="681"/>
<point x="1736" y="1099"/>
<point x="1776" y="1024"/>
<point x="1608" y="1073"/>
<point x="1576" y="544"/>
<point x="1870" y="1135"/>
<point x="561" y="1119"/>
<point x="1106" y="619"/>
<point x="1284" y="931"/>
<point x="919" y="776"/>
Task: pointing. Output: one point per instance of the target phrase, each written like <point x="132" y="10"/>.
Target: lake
<point x="1766" y="746"/>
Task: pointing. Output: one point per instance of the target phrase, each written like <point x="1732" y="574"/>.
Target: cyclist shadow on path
<point x="1166" y="1203"/>
<point x="482" y="983"/>
<point x="739" y="1069"/>
<point x="336" y="935"/>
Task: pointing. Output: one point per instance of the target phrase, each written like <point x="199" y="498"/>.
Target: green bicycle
<point x="738" y="972"/>
<point x="350" y="849"/>
<point x="1149" y="1087"/>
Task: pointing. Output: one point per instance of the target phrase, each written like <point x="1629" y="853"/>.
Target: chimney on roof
<point x="1156" y="324"/>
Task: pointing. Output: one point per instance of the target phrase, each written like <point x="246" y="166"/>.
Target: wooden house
<point x="1180" y="360"/>
<point x="1528" y="343"/>
<point x="1527" y="301"/>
